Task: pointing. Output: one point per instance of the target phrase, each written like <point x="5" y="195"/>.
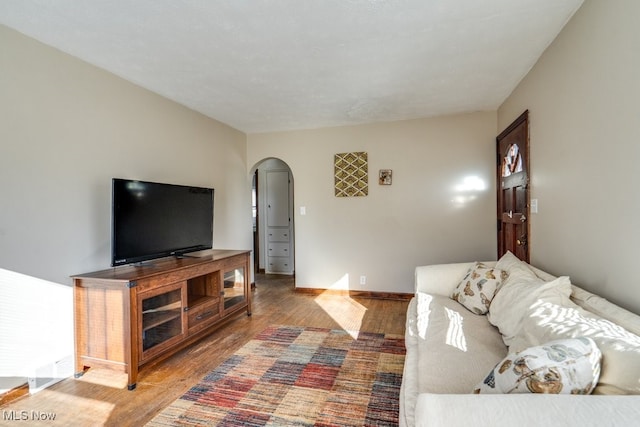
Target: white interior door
<point x="278" y="199"/>
<point x="279" y="227"/>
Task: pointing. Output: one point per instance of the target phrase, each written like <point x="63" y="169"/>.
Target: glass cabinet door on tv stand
<point x="234" y="287"/>
<point x="161" y="323"/>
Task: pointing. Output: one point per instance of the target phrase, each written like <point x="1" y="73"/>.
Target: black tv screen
<point x="153" y="220"/>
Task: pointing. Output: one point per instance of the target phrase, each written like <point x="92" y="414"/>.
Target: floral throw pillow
<point x="567" y="366"/>
<point x="476" y="290"/>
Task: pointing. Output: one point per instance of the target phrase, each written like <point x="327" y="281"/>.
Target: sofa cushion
<point x="546" y="321"/>
<point x="477" y="288"/>
<point x="456" y="348"/>
<point x="514" y="298"/>
<point x="569" y="366"/>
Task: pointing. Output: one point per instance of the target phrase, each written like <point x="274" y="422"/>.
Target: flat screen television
<point x="153" y="220"/>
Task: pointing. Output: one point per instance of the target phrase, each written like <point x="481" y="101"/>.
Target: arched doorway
<point x="273" y="217"/>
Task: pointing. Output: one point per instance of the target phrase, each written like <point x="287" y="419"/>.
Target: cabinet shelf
<point x="195" y="301"/>
<point x="158" y="317"/>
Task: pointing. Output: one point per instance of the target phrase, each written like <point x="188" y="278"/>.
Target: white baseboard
<point x="50" y="374"/>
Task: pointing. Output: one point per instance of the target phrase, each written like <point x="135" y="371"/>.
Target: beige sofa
<point x="452" y="351"/>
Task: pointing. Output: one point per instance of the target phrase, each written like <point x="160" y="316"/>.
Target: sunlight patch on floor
<point x="345" y="311"/>
<point x="105" y="378"/>
<point x="85" y="411"/>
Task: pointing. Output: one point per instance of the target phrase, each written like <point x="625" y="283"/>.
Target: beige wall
<point x="433" y="212"/>
<point x="585" y="146"/>
<point x="66" y="129"/>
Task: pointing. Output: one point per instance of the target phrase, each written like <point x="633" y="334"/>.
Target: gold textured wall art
<point x="351" y="174"/>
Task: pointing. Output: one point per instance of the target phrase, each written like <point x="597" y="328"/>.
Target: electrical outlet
<point x="363" y="280"/>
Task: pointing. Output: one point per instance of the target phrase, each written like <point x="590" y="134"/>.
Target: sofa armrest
<point x="502" y="410"/>
<point x="441" y="279"/>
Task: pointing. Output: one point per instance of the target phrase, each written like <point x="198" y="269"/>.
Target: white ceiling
<point x="268" y="65"/>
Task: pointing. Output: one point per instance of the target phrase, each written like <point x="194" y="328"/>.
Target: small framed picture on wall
<point x="385" y="176"/>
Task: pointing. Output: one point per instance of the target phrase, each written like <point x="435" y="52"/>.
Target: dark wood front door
<point x="513" y="188"/>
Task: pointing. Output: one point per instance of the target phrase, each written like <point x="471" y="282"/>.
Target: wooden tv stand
<point x="128" y="316"/>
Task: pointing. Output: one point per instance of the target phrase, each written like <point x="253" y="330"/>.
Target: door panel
<point x="512" y="147"/>
<point x="277" y="199"/>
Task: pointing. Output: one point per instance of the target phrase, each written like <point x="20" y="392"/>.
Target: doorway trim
<point x="261" y="242"/>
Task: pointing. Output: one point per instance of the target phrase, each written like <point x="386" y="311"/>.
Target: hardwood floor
<point x="100" y="397"/>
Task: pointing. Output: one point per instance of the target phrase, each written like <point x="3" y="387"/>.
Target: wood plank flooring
<point x="100" y="397"/>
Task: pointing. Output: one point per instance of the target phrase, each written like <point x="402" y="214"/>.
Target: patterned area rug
<point x="298" y="376"/>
